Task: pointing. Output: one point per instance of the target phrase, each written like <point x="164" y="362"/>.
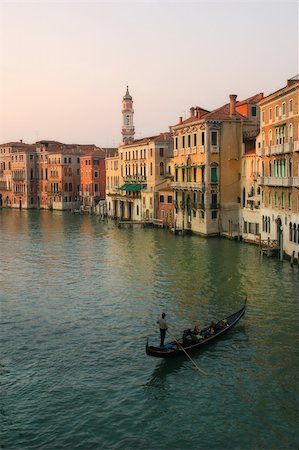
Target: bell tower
<point x="128" y="129"/>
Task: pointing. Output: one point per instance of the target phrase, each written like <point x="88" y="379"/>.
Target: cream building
<point x="135" y="175"/>
<point x="278" y="151"/>
<point x="207" y="163"/>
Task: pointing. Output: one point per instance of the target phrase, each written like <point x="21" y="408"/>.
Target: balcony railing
<point x="276" y="181"/>
<point x="135" y="179"/>
<point x="188" y="185"/>
<point x="279" y="149"/>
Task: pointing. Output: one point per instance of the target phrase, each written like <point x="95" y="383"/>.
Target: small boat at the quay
<point x="204" y="337"/>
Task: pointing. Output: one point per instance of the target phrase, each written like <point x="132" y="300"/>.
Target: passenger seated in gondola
<point x="187" y="337"/>
<point x="222" y="324"/>
<point x="212" y="328"/>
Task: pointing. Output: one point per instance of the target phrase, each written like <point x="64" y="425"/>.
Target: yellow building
<point x="207" y="163"/>
<point x="135" y="175"/>
<point x="278" y="150"/>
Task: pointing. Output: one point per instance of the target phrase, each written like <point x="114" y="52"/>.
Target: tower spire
<point x="128" y="129"/>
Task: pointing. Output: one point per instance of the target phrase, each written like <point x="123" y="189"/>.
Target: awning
<point x="131" y="187"/>
<point x="201" y="166"/>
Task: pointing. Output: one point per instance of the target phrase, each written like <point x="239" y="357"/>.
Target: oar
<point x="193" y="362"/>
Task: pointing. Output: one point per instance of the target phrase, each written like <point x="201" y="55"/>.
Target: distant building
<point x="278" y="168"/>
<point x="93" y="178"/>
<point x="135" y="176"/>
<point x="47" y="174"/>
<point x="207" y="163"/>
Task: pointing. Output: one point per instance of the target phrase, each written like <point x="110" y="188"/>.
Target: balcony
<point x="188" y="186"/>
<point x="134" y="179"/>
<point x="18" y="176"/>
<point x="276" y="181"/>
<point x="279" y="149"/>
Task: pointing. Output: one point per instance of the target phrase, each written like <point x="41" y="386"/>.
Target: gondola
<point x="179" y="347"/>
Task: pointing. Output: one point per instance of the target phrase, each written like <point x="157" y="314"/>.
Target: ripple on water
<point x="77" y="304"/>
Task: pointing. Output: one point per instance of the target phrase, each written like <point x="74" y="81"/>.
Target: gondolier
<point x="163" y="328"/>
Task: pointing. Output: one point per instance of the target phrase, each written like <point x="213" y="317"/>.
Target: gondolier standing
<point x="163" y="327"/>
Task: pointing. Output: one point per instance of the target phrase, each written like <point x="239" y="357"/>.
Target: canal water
<point x="79" y="297"/>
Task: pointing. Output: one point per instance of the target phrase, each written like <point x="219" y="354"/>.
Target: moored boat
<point x="204" y="337"/>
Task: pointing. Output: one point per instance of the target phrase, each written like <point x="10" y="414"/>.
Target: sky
<point x="65" y="65"/>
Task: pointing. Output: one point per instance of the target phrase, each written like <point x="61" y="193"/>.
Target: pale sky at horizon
<point x="64" y="65"/>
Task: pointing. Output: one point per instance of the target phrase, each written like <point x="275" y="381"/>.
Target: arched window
<point x="283" y="200"/>
<point x="290" y="200"/>
<point x="270" y="168"/>
<point x="161" y="168"/>
<point x="290" y="133"/>
<point x="270" y="138"/>
<point x="290" y="167"/>
<point x="290" y="232"/>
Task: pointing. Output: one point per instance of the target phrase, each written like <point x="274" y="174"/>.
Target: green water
<point x="78" y="299"/>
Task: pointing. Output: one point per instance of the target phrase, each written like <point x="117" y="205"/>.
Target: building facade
<point x="136" y="174"/>
<point x="207" y="163"/>
<point x="278" y="169"/>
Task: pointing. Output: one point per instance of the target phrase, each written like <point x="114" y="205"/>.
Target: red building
<point x="166" y="206"/>
<point x="93" y="177"/>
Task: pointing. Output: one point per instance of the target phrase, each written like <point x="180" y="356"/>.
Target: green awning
<point x="201" y="166"/>
<point x="131" y="187"/>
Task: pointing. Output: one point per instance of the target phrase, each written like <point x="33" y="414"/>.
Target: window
<point x="183" y="141"/>
<point x="276" y="111"/>
<point x="96" y="174"/>
<point x="290" y="200"/>
<point x="214" y="177"/>
<point x="253" y="112"/>
<point x="194" y="139"/>
<point x="161" y="152"/>
<point x="214" y="214"/>
<point x="214" y="138"/>
<point x="202" y="138"/>
<point x="161" y="198"/>
<point x="169" y="199"/>
<point x="161" y="168"/>
<point x="96" y="187"/>
<point x="283" y="200"/>
<point x="270" y="114"/>
<point x="176" y="143"/>
<point x="189" y="140"/>
<point x="65" y="160"/>
<point x="291" y="106"/>
<point x="283" y="109"/>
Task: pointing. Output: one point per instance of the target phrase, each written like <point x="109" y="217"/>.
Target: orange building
<point x="93" y="177"/>
<point x="166" y="206"/>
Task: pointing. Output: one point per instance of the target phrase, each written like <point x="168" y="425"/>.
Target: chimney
<point x="232" y="105"/>
<point x="192" y="112"/>
<point x="21" y="140"/>
<point x="181" y="120"/>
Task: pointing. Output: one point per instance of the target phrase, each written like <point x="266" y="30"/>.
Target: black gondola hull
<point x="176" y="348"/>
